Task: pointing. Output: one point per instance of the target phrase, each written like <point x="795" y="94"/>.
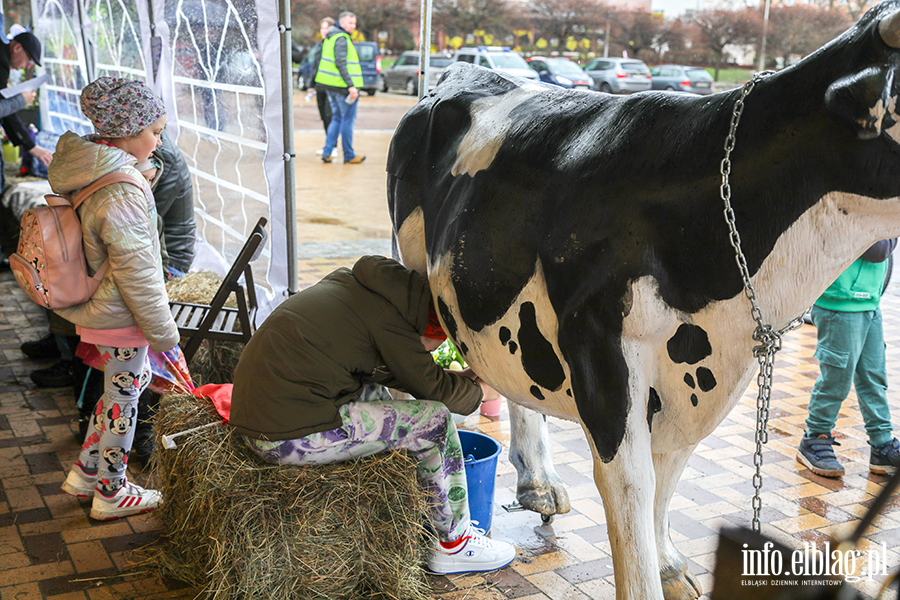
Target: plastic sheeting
<point x="217" y="65"/>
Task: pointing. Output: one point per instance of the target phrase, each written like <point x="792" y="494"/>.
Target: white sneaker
<point x="319" y="152"/>
<point x="334" y="153"/>
<point x="79" y="483"/>
<point x="129" y="500"/>
<point x="472" y="553"/>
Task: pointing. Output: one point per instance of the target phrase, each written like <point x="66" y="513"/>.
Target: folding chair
<point x="217" y="321"/>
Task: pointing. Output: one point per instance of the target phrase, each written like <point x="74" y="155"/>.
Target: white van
<point x="497" y="58"/>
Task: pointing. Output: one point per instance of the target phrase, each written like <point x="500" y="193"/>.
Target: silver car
<point x="619" y="75"/>
<point x="682" y="79"/>
<point x="404" y="73"/>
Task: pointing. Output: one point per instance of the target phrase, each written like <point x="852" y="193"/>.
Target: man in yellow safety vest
<point x="340" y="74"/>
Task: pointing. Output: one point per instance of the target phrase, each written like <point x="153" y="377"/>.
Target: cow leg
<point x="677" y="580"/>
<point x="627" y="485"/>
<point x="539" y="488"/>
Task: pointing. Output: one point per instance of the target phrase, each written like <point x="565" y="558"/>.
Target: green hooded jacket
<point x="859" y="287"/>
<point x="318" y="348"/>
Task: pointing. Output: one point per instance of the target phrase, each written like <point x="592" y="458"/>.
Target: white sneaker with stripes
<point x="128" y="500"/>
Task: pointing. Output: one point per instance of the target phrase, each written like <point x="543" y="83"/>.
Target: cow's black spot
<point x="694" y="399"/>
<point x="689" y="380"/>
<point x="538" y="358"/>
<point x="449" y="321"/>
<point x="654" y="405"/>
<point x="690" y="345"/>
<point x="513" y="347"/>
<point x="536" y="392"/>
<point x="705" y="379"/>
<point x="463" y="349"/>
<point x="505" y="335"/>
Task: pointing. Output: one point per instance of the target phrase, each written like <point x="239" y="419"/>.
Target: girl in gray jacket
<point x="130" y="311"/>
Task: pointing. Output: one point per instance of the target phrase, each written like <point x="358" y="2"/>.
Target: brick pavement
<point x="50" y="549"/>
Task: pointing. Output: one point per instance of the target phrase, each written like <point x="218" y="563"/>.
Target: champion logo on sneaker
<point x="472" y="552"/>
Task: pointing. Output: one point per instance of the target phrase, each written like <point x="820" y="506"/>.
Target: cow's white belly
<point x="805" y="259"/>
<point x="496" y="362"/>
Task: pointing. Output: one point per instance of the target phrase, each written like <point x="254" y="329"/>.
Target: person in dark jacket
<point x="304" y="393"/>
<point x="174" y="196"/>
<point x="850" y="351"/>
<point x="321" y="97"/>
<point x="23" y="50"/>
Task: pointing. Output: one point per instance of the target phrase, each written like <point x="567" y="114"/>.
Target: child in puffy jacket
<point x="130" y="311"/>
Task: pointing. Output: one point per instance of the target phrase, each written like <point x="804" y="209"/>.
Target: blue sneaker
<point x="817" y="455"/>
<point x="885" y="459"/>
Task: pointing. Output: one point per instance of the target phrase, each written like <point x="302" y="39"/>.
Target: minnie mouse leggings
<point x="126" y="372"/>
<point x="422" y="427"/>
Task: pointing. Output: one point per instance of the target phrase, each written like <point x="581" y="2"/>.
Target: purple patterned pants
<point x="423" y="427"/>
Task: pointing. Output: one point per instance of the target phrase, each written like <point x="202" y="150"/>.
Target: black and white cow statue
<point x="579" y="258"/>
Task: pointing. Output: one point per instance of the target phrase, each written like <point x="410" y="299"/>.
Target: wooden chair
<point x="216" y="321"/>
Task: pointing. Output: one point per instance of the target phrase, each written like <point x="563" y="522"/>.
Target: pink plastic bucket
<point x="492" y="408"/>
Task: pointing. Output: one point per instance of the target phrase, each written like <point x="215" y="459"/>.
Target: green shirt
<point x="857" y="289"/>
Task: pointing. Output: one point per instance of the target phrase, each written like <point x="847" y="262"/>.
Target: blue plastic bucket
<point x="481" y="453"/>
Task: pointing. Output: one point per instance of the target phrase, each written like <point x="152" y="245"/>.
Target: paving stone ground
<point x="50" y="549"/>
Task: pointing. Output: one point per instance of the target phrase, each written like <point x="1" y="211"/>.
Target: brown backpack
<point x="49" y="263"/>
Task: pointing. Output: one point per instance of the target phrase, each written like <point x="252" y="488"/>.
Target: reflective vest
<point x="328" y="73"/>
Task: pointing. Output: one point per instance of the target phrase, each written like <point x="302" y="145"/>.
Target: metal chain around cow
<point x="769" y="339"/>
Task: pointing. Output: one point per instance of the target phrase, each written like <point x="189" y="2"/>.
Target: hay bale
<point x="197" y="287"/>
<point x="241" y="528"/>
<point x="215" y="360"/>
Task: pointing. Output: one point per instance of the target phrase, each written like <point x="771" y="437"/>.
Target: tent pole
<point x="287" y="109"/>
<point x="424" y="47"/>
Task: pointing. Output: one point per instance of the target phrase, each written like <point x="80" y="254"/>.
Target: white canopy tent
<point x="223" y="69"/>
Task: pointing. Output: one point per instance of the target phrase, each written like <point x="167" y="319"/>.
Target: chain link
<point x="769" y="340"/>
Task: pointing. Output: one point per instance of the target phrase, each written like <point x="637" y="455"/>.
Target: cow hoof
<point x="681" y="585"/>
<point x="548" y="500"/>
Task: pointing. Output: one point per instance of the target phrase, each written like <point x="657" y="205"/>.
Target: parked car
<point x="369" y="60"/>
<point x="498" y="58"/>
<point x="619" y="75"/>
<point x="562" y="72"/>
<point x="404" y="74"/>
<point x="682" y="79"/>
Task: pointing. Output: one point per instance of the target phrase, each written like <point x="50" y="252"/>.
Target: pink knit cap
<point x="120" y="107"/>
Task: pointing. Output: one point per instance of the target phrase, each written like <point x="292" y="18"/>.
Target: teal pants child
<point x="850" y="350"/>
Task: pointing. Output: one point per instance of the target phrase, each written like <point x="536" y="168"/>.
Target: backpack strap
<point x="85" y="193"/>
<point x="114" y="177"/>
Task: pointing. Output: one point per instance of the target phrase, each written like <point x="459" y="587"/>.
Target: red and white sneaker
<point x="128" y="500"/>
<point x="471" y="553"/>
<point x="79" y="482"/>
